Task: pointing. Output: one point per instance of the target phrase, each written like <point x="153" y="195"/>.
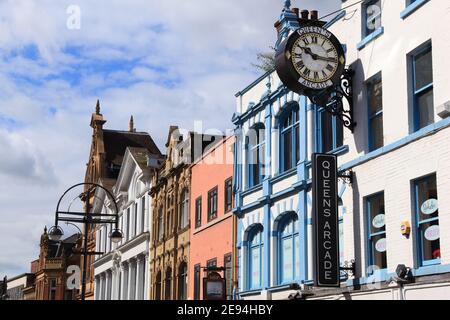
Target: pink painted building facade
<point x="211" y="217"/>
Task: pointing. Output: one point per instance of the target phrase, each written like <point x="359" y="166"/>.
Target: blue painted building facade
<point x="277" y="131"/>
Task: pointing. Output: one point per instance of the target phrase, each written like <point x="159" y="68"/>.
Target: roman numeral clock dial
<point x="310" y="60"/>
<point x="315" y="59"/>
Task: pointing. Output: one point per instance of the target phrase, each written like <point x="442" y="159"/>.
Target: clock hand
<point x="316" y="56"/>
<point x="308" y="51"/>
<point x="325" y="58"/>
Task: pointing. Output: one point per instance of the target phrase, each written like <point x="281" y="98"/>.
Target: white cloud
<point x="23" y="160"/>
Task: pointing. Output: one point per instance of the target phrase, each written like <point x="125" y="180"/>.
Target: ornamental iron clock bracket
<point x="348" y="268"/>
<point x="331" y="99"/>
<point x="347" y="176"/>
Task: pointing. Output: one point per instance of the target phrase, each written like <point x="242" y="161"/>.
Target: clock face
<point x="310" y="60"/>
<point x="315" y="59"/>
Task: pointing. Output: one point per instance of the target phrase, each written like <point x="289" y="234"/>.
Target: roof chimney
<point x="304" y="14"/>
<point x="314" y="15"/>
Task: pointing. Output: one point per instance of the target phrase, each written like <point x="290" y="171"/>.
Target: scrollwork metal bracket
<point x="349" y="268"/>
<point x="332" y="99"/>
<point x="347" y="176"/>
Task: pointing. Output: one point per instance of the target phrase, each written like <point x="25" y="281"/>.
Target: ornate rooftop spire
<point x="97" y="107"/>
<point x="131" y="124"/>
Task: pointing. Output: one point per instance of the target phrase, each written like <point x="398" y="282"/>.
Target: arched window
<point x="168" y="287"/>
<point x="254" y="259"/>
<point x="289" y="139"/>
<point x="256" y="149"/>
<point x="182" y="281"/>
<point x="160" y="224"/>
<point x="158" y="286"/>
<point x="184" y="209"/>
<point x="289" y="244"/>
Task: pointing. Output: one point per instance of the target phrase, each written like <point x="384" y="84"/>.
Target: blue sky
<point x="164" y="62"/>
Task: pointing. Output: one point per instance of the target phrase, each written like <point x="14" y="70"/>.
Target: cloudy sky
<point x="165" y="62"/>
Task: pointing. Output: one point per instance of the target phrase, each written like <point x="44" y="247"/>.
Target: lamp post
<point x="87" y="218"/>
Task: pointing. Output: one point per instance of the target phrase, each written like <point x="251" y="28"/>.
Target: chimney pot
<point x="314" y="15"/>
<point x="296" y="11"/>
<point x="304" y="14"/>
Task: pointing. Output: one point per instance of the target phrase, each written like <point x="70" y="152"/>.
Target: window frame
<point x="128" y="213"/>
<point x="228" y="193"/>
<point x="168" y="283"/>
<point x="135" y="223"/>
<point x="378" y="114"/>
<point x="259" y="147"/>
<point x="184" y="209"/>
<point x="260" y="247"/>
<point x="293" y="237"/>
<point x="213" y="194"/>
<point x="418" y="223"/>
<point x="369" y="235"/>
<point x="182" y="281"/>
<point x="197" y="281"/>
<point x="411" y="6"/>
<point x="198" y="212"/>
<point x="291" y="129"/>
<point x="158" y="286"/>
<point x="52" y="290"/>
<point x="336" y="124"/>
<point x="228" y="272"/>
<point x="160" y="224"/>
<point x="365" y="30"/>
<point x="419" y="92"/>
<point x="142" y="224"/>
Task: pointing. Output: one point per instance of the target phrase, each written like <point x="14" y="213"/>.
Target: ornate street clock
<point x="310" y="61"/>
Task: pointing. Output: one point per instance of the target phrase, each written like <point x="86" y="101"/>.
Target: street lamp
<point x="87" y="218"/>
<point x="116" y="235"/>
<point x="55" y="233"/>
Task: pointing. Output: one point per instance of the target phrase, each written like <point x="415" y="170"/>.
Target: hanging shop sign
<point x="429" y="207"/>
<point x="432" y="233"/>
<point x="378" y="221"/>
<point x="325" y="220"/>
<point x="214" y="287"/>
<point x="380" y="245"/>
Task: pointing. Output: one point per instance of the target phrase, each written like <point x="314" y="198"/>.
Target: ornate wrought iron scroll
<point x="332" y="100"/>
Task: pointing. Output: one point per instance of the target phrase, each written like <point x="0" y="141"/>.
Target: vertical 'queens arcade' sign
<point x="325" y="220"/>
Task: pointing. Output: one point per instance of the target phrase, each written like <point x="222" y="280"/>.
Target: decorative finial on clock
<point x="287" y="4"/>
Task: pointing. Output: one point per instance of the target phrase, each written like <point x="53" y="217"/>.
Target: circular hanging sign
<point x="310" y="60"/>
<point x="380" y="245"/>
<point x="429" y="207"/>
<point x="432" y="233"/>
<point x="378" y="221"/>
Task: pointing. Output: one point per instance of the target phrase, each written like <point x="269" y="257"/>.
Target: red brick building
<point x="50" y="269"/>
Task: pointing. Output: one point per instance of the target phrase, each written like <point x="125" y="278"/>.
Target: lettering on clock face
<point x="315" y="59"/>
